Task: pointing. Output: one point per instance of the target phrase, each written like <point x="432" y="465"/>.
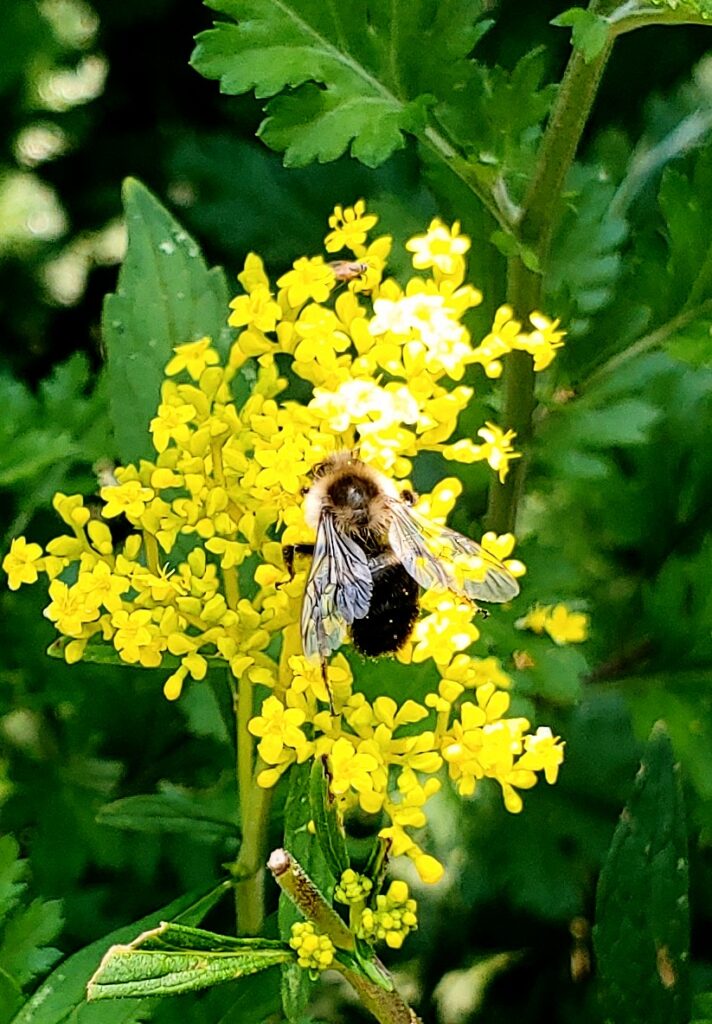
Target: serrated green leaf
<point x="12" y="875"/>
<point x="25" y="951"/>
<point x="355" y="84"/>
<point x="166" y="296"/>
<point x="641" y="937"/>
<point x="173" y="958"/>
<point x="590" y="31"/>
<point x="327" y="823"/>
<point x="62" y="997"/>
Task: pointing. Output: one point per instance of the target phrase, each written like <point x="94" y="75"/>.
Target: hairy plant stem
<point x="384" y="1001"/>
<point x="524" y="285"/>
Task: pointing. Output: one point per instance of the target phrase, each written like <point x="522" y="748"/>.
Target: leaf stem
<point x="633" y="15"/>
<point x="495" y="201"/>
<point x="647" y="342"/>
<point x="524" y="285"/>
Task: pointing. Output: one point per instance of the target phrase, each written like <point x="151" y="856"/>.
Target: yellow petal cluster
<point x="321" y="362"/>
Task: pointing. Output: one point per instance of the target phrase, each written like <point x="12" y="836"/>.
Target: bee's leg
<point x="325" y="677"/>
<point x="484" y="613"/>
<point x="409" y="497"/>
<point x="290" y="551"/>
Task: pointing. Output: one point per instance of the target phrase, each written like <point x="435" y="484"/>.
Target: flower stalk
<point x="383" y="1000"/>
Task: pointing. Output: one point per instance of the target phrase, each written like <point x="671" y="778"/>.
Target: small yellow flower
<point x="441" y="247"/>
<point x="257" y="309"/>
<point x="350" y="228"/>
<point x="129" y="499"/>
<point x="278" y="727"/>
<point x="562" y="625"/>
<point x="69" y="608"/>
<point x="21" y="563"/>
<point x="309" y="279"/>
<point x="193" y="357"/>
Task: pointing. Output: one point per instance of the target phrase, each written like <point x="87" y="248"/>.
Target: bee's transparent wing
<point x="337" y="592"/>
<point x="438" y="557"/>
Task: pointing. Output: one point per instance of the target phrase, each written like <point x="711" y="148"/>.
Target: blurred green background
<point x="616" y="520"/>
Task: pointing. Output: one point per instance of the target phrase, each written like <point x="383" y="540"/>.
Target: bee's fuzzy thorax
<point x="354" y="492"/>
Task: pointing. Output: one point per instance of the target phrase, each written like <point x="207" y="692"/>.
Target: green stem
<point x="524" y="288"/>
<point x="631" y="16"/>
<point x="248" y="870"/>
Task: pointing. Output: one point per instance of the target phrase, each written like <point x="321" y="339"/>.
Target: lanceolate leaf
<point x="303" y="844"/>
<point x="173" y="958"/>
<point x="325" y="815"/>
<point x="642" y="932"/>
<point x="166" y="296"/>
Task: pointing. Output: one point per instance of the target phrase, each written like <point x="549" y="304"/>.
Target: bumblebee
<point x="372" y="554"/>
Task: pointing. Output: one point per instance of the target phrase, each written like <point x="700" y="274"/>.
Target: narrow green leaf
<point x="173" y="958"/>
<point x="166" y="296"/>
<point x="62" y="997"/>
<point x="327" y="823"/>
<point x="303" y="845"/>
<point x="642" y="928"/>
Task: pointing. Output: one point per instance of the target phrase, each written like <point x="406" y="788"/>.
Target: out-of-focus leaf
<point x="170" y="811"/>
<point x="166" y="296"/>
<point x="642" y="931"/>
<point x="26" y="930"/>
<point x="586" y="257"/>
<point x="62" y="997"/>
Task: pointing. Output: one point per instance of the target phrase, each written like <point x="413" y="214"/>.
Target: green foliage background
<point x="114" y="803"/>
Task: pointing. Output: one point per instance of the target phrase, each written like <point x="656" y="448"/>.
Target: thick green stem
<point x="248" y="870"/>
<point x="538" y="219"/>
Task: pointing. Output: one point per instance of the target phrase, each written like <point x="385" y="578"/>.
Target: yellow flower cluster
<point x="392" y="919"/>
<point x="352" y="888"/>
<point x="315" y="952"/>
<point x="201" y="579"/>
<point x="380" y="765"/>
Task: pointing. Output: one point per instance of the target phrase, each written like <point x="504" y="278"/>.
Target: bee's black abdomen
<point x="391" y="615"/>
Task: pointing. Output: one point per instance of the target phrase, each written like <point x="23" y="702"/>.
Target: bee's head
<point x="334" y="463"/>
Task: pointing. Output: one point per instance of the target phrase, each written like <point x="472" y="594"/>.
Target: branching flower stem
<point x="384" y="1001"/>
